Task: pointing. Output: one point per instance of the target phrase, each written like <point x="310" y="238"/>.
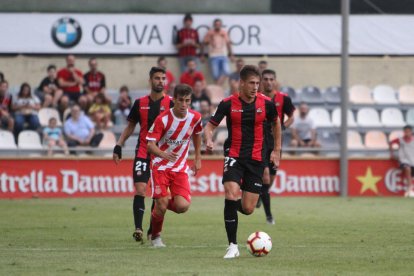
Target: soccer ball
<point x="259" y="244"/>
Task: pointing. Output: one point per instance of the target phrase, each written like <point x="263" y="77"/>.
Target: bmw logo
<point x="66" y="32"/>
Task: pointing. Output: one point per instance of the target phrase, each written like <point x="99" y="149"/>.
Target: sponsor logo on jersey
<point x="175" y="142"/>
<point x="259" y="110"/>
<point x="145" y="107"/>
<point x="237" y="110"/>
<point x="162" y="108"/>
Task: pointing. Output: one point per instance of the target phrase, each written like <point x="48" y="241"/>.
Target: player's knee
<point x="231" y="195"/>
<point x="248" y="210"/>
<point x="182" y="208"/>
<point x="140" y="189"/>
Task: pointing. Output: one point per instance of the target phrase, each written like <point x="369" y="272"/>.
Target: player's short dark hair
<point x="187" y="17"/>
<point x="161" y="58"/>
<point x="182" y="90"/>
<point x="263" y="62"/>
<point x="51" y="66"/>
<point x="269" y="71"/>
<point x="217" y="20"/>
<point x="249" y="70"/>
<point x="156" y="69"/>
<point x="124" y="88"/>
<point x="408" y="127"/>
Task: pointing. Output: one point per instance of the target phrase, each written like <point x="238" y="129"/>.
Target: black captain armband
<point x="118" y="151"/>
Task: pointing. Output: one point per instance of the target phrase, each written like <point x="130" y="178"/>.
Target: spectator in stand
<point x="100" y="112"/>
<point x="219" y="48"/>
<point x="187" y="42"/>
<point x="170" y="79"/>
<point x="71" y="79"/>
<point x="80" y="130"/>
<point x="234" y="77"/>
<point x="205" y="110"/>
<point x="192" y="75"/>
<point x="6" y="117"/>
<point x="303" y="129"/>
<point x="199" y="94"/>
<point x="123" y="106"/>
<point x="53" y="136"/>
<point x="48" y="91"/>
<point x="26" y="108"/>
<point x="406" y="157"/>
<point x="94" y="81"/>
<point x="262" y="65"/>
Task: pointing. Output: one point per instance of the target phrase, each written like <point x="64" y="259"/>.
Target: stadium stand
<point x="368" y="117"/>
<point x="291" y="92"/>
<point x="395" y="134"/>
<point x="29" y="139"/>
<point x="336" y="118"/>
<point x="311" y="95"/>
<point x="409" y="117"/>
<point x="7" y="140"/>
<point x="332" y="95"/>
<point x="360" y="94"/>
<point x="355" y="140"/>
<point x="376" y="139"/>
<point x="216" y="93"/>
<point x="406" y="94"/>
<point x="392" y="117"/>
<point x="108" y="141"/>
<point x="384" y="94"/>
<point x="320" y="117"/>
<point x="328" y="138"/>
<point x="220" y="138"/>
<point x="46" y="113"/>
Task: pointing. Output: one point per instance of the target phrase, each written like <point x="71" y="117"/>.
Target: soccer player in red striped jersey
<point x="284" y="108"/>
<point x="246" y="114"/>
<point x="168" y="143"/>
<point x="143" y="112"/>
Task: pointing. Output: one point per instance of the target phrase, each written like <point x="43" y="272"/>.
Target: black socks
<point x="266" y="199"/>
<point x="138" y="209"/>
<point x="231" y="220"/>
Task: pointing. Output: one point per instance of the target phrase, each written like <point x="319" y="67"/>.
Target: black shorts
<point x="141" y="170"/>
<point x="269" y="164"/>
<point x="404" y="165"/>
<point x="247" y="173"/>
<point x="73" y="96"/>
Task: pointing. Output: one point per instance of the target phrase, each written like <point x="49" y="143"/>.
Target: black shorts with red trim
<point x="141" y="170"/>
<point x="247" y="173"/>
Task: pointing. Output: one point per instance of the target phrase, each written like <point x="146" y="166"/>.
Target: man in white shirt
<point x="304" y="130"/>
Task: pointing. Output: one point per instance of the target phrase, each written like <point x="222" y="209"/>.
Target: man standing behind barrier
<point x="187" y="43"/>
<point x="144" y="111"/>
<point x="219" y="49"/>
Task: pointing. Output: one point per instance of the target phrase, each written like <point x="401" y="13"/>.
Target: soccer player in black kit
<point x="144" y="111"/>
<point x="284" y="108"/>
<point x="246" y="113"/>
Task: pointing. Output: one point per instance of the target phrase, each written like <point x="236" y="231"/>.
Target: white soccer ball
<point x="259" y="244"/>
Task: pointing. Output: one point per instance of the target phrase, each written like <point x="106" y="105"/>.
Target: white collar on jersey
<point x="179" y="119"/>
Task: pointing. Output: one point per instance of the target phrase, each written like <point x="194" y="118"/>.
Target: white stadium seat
<point x="336" y="118"/>
<point x="368" y="117"/>
<point x="384" y="94"/>
<point x="29" y="139"/>
<point x="355" y="140"/>
<point x="46" y="113"/>
<point x="406" y="94"/>
<point x="392" y="117"/>
<point x="360" y="94"/>
<point x="7" y="140"/>
<point x="320" y="117"/>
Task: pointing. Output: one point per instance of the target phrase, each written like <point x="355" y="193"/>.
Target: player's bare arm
<point x="197" y="153"/>
<point x="208" y="134"/>
<point x="129" y="129"/>
<point x="277" y="136"/>
<point x="289" y="121"/>
<point x="155" y="150"/>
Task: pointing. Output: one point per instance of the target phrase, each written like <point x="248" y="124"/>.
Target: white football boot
<point x="232" y="251"/>
<point x="157" y="242"/>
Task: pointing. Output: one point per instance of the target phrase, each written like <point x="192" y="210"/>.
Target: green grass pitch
<point x="312" y="236"/>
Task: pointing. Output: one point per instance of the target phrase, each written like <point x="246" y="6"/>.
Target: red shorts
<point x="177" y="182"/>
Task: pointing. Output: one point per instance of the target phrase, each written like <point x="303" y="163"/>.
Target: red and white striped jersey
<point x="173" y="135"/>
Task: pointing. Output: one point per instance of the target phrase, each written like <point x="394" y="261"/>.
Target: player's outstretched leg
<point x="138" y="211"/>
<point x="157" y="220"/>
<point x="266" y="203"/>
<point x="231" y="223"/>
<point x="150" y="224"/>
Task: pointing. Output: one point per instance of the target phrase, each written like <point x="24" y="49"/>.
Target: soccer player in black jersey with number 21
<point x="246" y="114"/>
